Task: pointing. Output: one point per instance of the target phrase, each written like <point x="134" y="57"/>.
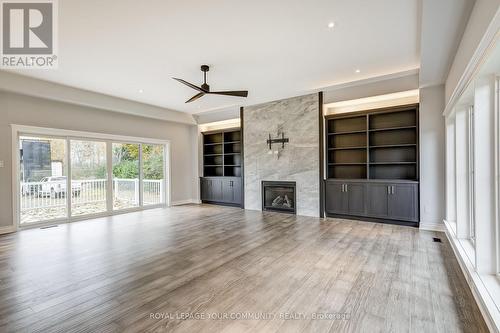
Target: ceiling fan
<point x="205" y="88"/>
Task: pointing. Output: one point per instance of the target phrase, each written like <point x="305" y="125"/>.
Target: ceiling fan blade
<point x="190" y="85"/>
<point x="237" y="93"/>
<point x="195" y="97"/>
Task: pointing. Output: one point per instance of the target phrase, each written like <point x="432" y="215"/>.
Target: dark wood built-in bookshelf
<point x="372" y="164"/>
<point x="373" y="145"/>
<point x="222" y="154"/>
<point x="222" y="167"/>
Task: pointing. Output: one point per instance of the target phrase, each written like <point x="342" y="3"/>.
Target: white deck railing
<point x="40" y="195"/>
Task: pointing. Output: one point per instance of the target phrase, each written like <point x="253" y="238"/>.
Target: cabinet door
<point x="336" y="199"/>
<point x="356" y="199"/>
<point x="237" y="191"/>
<point x="205" y="189"/>
<point x="403" y="202"/>
<point x="216" y="189"/>
<point x="378" y="200"/>
<point x="227" y="190"/>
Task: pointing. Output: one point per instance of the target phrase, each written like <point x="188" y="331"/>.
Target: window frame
<point x="497" y="168"/>
<point x="470" y="174"/>
<point x="68" y="135"/>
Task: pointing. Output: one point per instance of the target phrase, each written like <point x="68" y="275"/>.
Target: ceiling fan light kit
<point x="205" y="88"/>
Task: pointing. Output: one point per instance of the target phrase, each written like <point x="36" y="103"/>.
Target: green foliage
<point x="126" y="158"/>
<point x="126" y="170"/>
<point x="153" y="167"/>
<point x="101" y="172"/>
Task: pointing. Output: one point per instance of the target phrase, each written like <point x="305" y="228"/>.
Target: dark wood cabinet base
<point x="221" y="190"/>
<point x="376" y="220"/>
<point x="221" y="203"/>
<point x="391" y="201"/>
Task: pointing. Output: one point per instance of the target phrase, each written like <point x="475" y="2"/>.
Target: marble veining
<point x="299" y="161"/>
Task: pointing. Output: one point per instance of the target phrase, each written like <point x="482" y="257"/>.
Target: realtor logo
<point x="28" y="34"/>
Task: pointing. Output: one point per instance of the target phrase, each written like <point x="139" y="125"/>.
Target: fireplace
<point x="279" y="196"/>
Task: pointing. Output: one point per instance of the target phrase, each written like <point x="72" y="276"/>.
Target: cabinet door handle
<point x="388" y="190"/>
<point x="346" y="188"/>
<point x="343" y="189"/>
<point x="392" y="189"/>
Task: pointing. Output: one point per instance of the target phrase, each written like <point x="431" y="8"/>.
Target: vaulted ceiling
<point x="275" y="49"/>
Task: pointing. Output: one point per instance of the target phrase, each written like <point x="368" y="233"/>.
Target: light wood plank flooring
<point x="146" y="271"/>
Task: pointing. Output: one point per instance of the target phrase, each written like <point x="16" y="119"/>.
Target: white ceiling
<point x="275" y="49"/>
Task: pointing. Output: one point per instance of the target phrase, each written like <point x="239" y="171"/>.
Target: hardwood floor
<point x="144" y="271"/>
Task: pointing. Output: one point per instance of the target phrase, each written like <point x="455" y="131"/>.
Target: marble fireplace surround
<point x="298" y="119"/>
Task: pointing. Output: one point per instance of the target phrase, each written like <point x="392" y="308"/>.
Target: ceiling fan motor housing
<point x="205" y="69"/>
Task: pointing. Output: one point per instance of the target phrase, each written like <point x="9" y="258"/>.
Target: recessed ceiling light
<point x="331" y="25"/>
<point x="357" y="71"/>
<point x="141" y="91"/>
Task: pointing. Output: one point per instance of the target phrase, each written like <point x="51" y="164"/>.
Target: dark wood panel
<point x="394" y="154"/>
<point x="347" y="140"/>
<point x="403" y="202"/>
<point x="350" y="124"/>
<point x="378" y="200"/>
<point x="396" y="137"/>
<point x="356" y="198"/>
<point x="322" y="175"/>
<point x="347" y="171"/>
<point x="347" y="156"/>
<point x="393" y="119"/>
<point x="336" y="202"/>
<point x="388" y="171"/>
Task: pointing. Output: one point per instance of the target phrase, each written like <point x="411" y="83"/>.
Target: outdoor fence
<point x="40" y="195"/>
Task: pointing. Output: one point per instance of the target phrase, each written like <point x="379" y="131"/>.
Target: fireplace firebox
<point x="279" y="196"/>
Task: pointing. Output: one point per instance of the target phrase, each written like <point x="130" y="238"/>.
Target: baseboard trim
<point x="7" y="230"/>
<point x="185" y="202"/>
<point x="432" y="226"/>
<point x="479" y="291"/>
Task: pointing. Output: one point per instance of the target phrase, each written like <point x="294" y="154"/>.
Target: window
<point x="497" y="113"/>
<point x="153" y="174"/>
<point x="88" y="177"/>
<point x="65" y="175"/>
<point x="43" y="179"/>
<point x="470" y="153"/>
<point x="126" y="175"/>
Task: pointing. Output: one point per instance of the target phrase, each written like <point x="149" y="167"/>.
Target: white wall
<point x="479" y="20"/>
<point x="432" y="157"/>
<point x="32" y="111"/>
<point x="24" y="85"/>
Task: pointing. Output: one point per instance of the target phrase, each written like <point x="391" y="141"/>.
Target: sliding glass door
<point x="88" y="177"/>
<point x="126" y="175"/>
<point x="65" y="177"/>
<point x="153" y="166"/>
<point x="43" y="179"/>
